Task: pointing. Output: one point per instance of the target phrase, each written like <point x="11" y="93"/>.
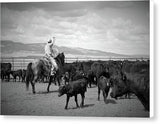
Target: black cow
<point x="70" y="68"/>
<point x="135" y="67"/>
<point x="66" y="78"/>
<point x="97" y="70"/>
<point x="91" y="78"/>
<point x="73" y="89"/>
<point x="113" y="67"/>
<point x="78" y="75"/>
<point x="5" y="71"/>
<point x="103" y="84"/>
<point x="84" y="66"/>
<point x="17" y="73"/>
<point x="136" y="82"/>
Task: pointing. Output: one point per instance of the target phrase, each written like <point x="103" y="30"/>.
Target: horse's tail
<point x="29" y="75"/>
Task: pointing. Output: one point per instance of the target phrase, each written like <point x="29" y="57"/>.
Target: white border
<point x="151" y="60"/>
<point x="42" y="120"/>
<point x="5" y="1"/>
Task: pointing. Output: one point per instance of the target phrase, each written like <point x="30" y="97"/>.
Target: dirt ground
<point x="15" y="100"/>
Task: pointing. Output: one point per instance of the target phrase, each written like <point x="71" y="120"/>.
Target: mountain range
<point x="16" y="49"/>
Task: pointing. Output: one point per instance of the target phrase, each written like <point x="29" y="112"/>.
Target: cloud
<point x="92" y="25"/>
<point x="127" y="31"/>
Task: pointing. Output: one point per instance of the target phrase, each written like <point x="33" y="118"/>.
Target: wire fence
<point x="22" y="62"/>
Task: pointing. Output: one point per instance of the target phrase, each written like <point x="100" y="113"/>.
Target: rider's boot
<point x="53" y="71"/>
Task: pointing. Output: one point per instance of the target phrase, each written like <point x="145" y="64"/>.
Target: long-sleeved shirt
<point x="50" y="51"/>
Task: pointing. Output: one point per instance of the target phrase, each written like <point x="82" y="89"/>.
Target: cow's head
<point x="62" y="90"/>
<point x="118" y="85"/>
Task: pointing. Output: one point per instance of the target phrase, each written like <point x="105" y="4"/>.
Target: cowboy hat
<point x="51" y="41"/>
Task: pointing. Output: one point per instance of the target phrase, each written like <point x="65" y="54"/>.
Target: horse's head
<point x="61" y="58"/>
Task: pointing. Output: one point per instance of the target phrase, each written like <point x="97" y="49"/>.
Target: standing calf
<point x="103" y="84"/>
<point x="73" y="89"/>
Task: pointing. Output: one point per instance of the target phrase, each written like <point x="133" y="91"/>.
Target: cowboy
<point x="51" y="52"/>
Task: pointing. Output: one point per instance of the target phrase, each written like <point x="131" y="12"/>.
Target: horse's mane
<point x="59" y="59"/>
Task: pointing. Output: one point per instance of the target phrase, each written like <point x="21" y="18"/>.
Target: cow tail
<point x="29" y="75"/>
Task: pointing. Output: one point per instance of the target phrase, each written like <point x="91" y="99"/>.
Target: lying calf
<point x="73" y="89"/>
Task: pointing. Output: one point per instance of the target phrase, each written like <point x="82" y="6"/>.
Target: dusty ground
<point x="15" y="100"/>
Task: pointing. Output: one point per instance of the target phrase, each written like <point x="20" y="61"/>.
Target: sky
<point x="113" y="26"/>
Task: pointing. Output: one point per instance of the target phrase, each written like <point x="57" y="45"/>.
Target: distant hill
<point x="16" y="49"/>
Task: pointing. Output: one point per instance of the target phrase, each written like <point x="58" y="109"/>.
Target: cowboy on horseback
<point x="51" y="52"/>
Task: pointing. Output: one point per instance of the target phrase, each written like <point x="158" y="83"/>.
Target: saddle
<point x="48" y="63"/>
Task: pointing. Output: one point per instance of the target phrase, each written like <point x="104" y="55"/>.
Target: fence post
<point x="13" y="63"/>
<point x="23" y="63"/>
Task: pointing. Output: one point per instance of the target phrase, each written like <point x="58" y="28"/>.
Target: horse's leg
<point x="76" y="100"/>
<point x="55" y="79"/>
<point x="104" y="95"/>
<point x="49" y="83"/>
<point x="67" y="100"/>
<point x="33" y="83"/>
<point x="82" y="102"/>
<point x="58" y="80"/>
<point x="99" y="91"/>
<point x="33" y="87"/>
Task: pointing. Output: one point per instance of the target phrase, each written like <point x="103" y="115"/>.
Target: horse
<point x="41" y="68"/>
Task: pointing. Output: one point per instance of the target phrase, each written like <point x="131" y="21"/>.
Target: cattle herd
<point x="121" y="77"/>
<point x="7" y="73"/>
